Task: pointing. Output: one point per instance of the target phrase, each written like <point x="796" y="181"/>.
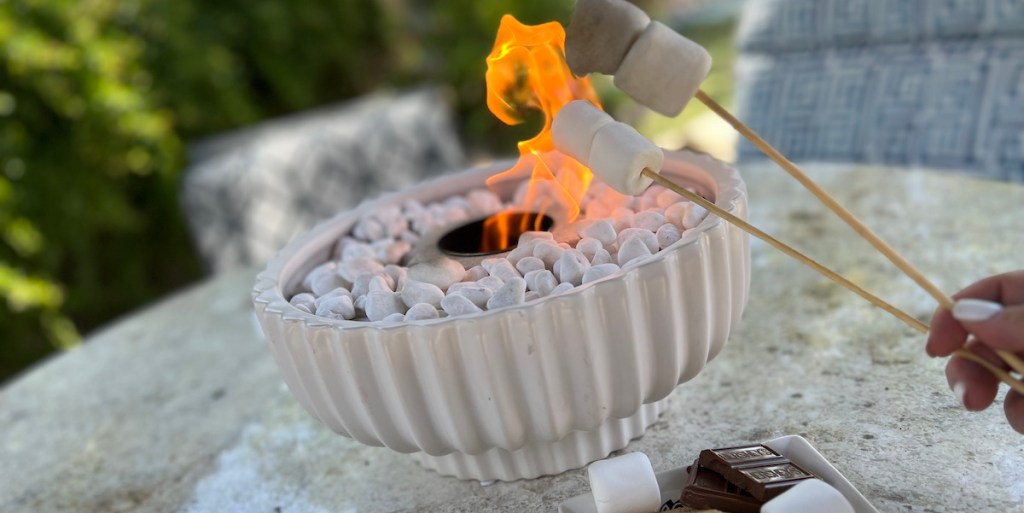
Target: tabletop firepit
<point x="512" y="320"/>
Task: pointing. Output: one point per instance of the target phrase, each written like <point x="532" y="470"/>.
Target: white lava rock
<point x="455" y="304"/>
<point x="541" y="281"/>
<point x="646" y="236"/>
<point x="602" y="230"/>
<point x="304" y="299"/>
<point x="694" y="217"/>
<point x="809" y="496"/>
<point x="336" y="307"/>
<point x="500" y="268"/>
<point x="352" y="269"/>
<point x="649" y="220"/>
<point x="528" y="264"/>
<point x="620" y="153"/>
<point x="600" y="33"/>
<point x="632" y="249"/>
<point x="415" y="292"/>
<point x="512" y="293"/>
<point x="574" y="128"/>
<point x="380" y="304"/>
<point x="625" y="484"/>
<point x="442" y="272"/>
<point x="421" y="312"/>
<point x="597" y="272"/>
<point x="663" y="69"/>
<point x="668" y="235"/>
<point x="561" y="289"/>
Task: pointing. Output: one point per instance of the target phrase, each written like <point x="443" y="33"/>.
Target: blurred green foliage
<point x="98" y="97"/>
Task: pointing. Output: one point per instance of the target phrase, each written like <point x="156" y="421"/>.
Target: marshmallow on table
<point x="810" y="496"/>
<point x="624" y="484"/>
<point x="663" y="69"/>
<point x="600" y="33"/>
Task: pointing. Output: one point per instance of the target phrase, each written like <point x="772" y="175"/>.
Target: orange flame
<point x="526" y="70"/>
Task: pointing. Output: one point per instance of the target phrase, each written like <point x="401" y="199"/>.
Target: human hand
<point x="992" y="310"/>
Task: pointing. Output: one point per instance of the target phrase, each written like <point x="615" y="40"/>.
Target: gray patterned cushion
<point x="248" y="193"/>
<point x="915" y="82"/>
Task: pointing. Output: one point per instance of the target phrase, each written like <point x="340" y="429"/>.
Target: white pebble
<point x="340" y="291"/>
<point x="304" y="299"/>
<point x="380" y="304"/>
<point x="360" y="303"/>
<point x="368" y="228"/>
<point x="667" y="198"/>
<point x="356" y="249"/>
<point x="395" y="317"/>
<point x="352" y="269"/>
<point x="597" y="210"/>
<point x="478" y="295"/>
<point x="602" y="230"/>
<point x="416" y="292"/>
<point x="541" y="281"/>
<point x="381" y="282"/>
<point x="589" y="247"/>
<point x="442" y="272"/>
<point x="336" y="307"/>
<point x="676" y="212"/>
<point x="646" y="236"/>
<point x="696" y="214"/>
<point x="529" y="264"/>
<point x="475" y="273"/>
<point x="420" y="312"/>
<point x="531" y="295"/>
<point x="599" y="271"/>
<point x="512" y="293"/>
<point x="362" y="285"/>
<point x="458" y="305"/>
<point x="601" y="257"/>
<point x="649" y="220"/>
<point x="392" y="252"/>
<point x="668" y="235"/>
<point x="622" y="218"/>
<point x="548" y="253"/>
<point x="483" y="202"/>
<point x="561" y="289"/>
<point x="535" y="235"/>
<point x="501" y="268"/>
<point x="632" y="249"/>
<point x="491" y="282"/>
<point x="571" y="267"/>
<point x="398" y="275"/>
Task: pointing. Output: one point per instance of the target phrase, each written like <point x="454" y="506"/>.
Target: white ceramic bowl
<point x="523" y="391"/>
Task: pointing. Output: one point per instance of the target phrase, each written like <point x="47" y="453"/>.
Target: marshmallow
<point x="668" y="235"/>
<point x="420" y="312"/>
<point x="620" y="153"/>
<point x="442" y="272"/>
<point x="455" y="304"/>
<point x="575" y="126"/>
<point x="600" y="34"/>
<point x="416" y="292"/>
<point x="380" y="304"/>
<point x="663" y="69"/>
<point x="511" y="293"/>
<point x="810" y="496"/>
<point x="625" y="484"/>
<point x="599" y="271"/>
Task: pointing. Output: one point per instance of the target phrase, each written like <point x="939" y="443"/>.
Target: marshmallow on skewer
<point x="618" y="153"/>
<point x="809" y="496"/>
<point x="575" y="126"/>
<point x="624" y="484"/>
<point x="600" y="33"/>
<point x="663" y="70"/>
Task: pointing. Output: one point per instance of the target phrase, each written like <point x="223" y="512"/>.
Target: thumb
<point x="998" y="326"/>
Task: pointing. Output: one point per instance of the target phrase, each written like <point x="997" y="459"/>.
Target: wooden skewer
<point x="779" y="245"/>
<point x="944" y="300"/>
<point x="828" y="273"/>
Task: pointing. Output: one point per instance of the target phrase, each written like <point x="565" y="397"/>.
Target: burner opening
<point x="472" y="239"/>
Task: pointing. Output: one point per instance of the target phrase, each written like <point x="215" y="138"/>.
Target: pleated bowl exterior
<point x="524" y="377"/>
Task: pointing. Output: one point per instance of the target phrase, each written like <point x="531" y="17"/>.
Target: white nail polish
<point x="974" y="310"/>
<point x="960" y="391"/>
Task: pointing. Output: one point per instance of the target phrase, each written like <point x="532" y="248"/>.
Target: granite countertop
<point x="179" y="408"/>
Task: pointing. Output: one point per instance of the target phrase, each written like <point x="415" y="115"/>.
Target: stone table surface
<point x="179" y="407"/>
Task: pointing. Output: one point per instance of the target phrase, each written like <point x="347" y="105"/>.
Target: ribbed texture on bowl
<point x="520" y="376"/>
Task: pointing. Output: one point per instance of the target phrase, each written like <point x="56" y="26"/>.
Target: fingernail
<point x="974" y="310"/>
<point x="960" y="391"/>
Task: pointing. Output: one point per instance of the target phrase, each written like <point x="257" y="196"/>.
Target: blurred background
<point x="104" y="102"/>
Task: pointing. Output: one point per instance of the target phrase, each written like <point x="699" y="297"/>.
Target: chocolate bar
<point x="707" y="489"/>
<point x="756" y="469"/>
